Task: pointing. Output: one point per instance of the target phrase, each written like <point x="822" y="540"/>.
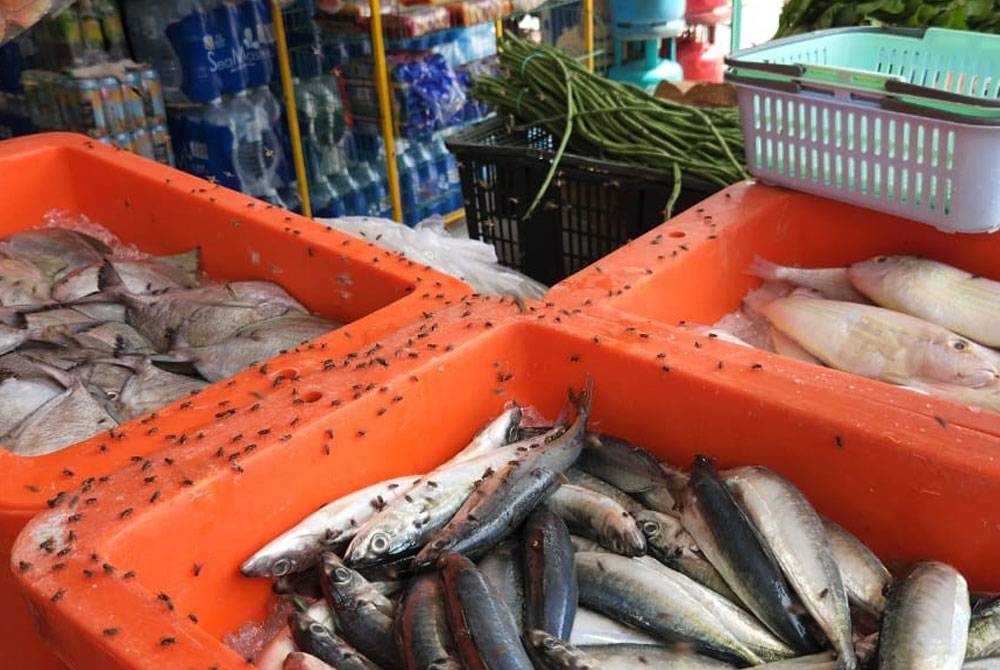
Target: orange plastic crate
<point x="694" y="268"/>
<point x="867" y="468"/>
<point x="165" y="211"/>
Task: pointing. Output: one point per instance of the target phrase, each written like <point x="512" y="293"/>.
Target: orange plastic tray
<point x="694" y="268"/>
<point x="164" y="211"/>
<point x="122" y="595"/>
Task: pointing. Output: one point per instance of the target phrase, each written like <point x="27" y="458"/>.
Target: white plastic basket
<point x="931" y="156"/>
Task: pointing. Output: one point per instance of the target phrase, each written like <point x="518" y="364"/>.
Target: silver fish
<point x="669" y="543"/>
<point x="794" y="532"/>
<point x="113" y="338"/>
<point x="594" y="628"/>
<point x="22" y="283"/>
<point x="273" y="654"/>
<point x="319" y="641"/>
<point x="595" y="515"/>
<point x="865" y="578"/>
<point x="832" y="283"/>
<point x="422" y="627"/>
<point x="926" y="624"/>
<point x="150" y="388"/>
<point x="631" y="469"/>
<point x="148" y="275"/>
<point x="670" y="608"/>
<point x="20" y="397"/>
<point x="55" y="251"/>
<point x="11" y="338"/>
<point x="629" y="657"/>
<point x="582" y="479"/>
<point x="984" y="636"/>
<point x="502" y="567"/>
<point x="581" y="543"/>
<point x="66" y="419"/>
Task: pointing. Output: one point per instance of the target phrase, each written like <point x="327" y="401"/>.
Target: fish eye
<point x="341" y="575"/>
<point x="650" y="527"/>
<point x="380" y="543"/>
<point x="316" y="628"/>
<point x="281" y="567"/>
<point x="881" y="259"/>
<point x="959" y="345"/>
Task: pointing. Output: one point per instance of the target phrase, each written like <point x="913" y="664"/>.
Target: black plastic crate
<point x="591" y="208"/>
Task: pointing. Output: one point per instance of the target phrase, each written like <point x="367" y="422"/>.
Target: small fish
<point x="630" y="656"/>
<point x="556" y="654"/>
<point x="365" y="616"/>
<point x="669" y="543"/>
<point x="22" y="283"/>
<point x="300" y="547"/>
<point x="55" y="251"/>
<point x="11" y="338"/>
<point x="503" y="568"/>
<point x="148" y="275"/>
<point x="786" y="346"/>
<point x="935" y="292"/>
<point x="486" y="636"/>
<point x="595" y="515"/>
<point x="317" y="640"/>
<point x="151" y="388"/>
<point x="865" y="578"/>
<point x="298" y="660"/>
<point x="22" y="395"/>
<point x="794" y="534"/>
<point x="984" y="636"/>
<point x="631" y="469"/>
<point x="926" y="624"/>
<point x="492" y="511"/>
<point x="832" y="283"/>
<point x="731" y="542"/>
<point x="550" y="587"/>
<point x="670" y="608"/>
<point x="113" y="338"/>
<point x="273" y="654"/>
<point x="422" y="626"/>
<point x="594" y="628"/>
<point x="882" y="344"/>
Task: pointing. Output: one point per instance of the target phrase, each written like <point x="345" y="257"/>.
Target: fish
<point x="786" y="346"/>
<point x="253" y="344"/>
<point x="882" y="344"/>
<point x="150" y="388"/>
<point x="933" y="291"/>
<point x="984" y="636"/>
<point x="590" y="628"/>
<point x="578" y="477"/>
<point x="630" y="656"/>
<point x="198" y="316"/>
<point x="298" y="660"/>
<point x="832" y="283"/>
<point x="729" y="540"/>
<point x="365" y="617"/>
<point x="317" y="640"/>
<point x="299" y="548"/>
<point x="22" y="283"/>
<point x="65" y="419"/>
<point x="305" y="584"/>
<point x="486" y="636"/>
<point x="926" y="622"/>
<point x="669" y="543"/>
<point x="113" y="338"/>
<point x="11" y="338"/>
<point x="631" y="469"/>
<point x="794" y="534"/>
<point x="22" y="395"/>
<point x="551" y="594"/>
<point x="498" y="505"/>
<point x="670" y="608"/>
<point x="581" y="543"/>
<point x="55" y="251"/>
<point x="147" y="275"/>
<point x="422" y="626"/>
<point x="273" y="654"/>
<point x="503" y="568"/>
<point x="557" y="654"/>
<point x="865" y="578"/>
<point x="407" y="522"/>
<point x="595" y="515"/>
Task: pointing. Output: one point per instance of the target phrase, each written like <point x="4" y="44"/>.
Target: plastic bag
<point x="428" y="242"/>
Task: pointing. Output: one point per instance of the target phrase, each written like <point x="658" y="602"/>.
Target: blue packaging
<point x="228" y="61"/>
<point x="254" y="39"/>
<point x="193" y="42"/>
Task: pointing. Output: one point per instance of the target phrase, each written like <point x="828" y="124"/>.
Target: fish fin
<point x="64" y="378"/>
<point x="109" y="281"/>
<point x="765" y="269"/>
<point x="188" y="262"/>
<point x="768" y="292"/>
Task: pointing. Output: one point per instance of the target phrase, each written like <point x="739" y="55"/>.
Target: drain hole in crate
<point x="289" y="373"/>
<point x="677" y="233"/>
<point x="311" y="396"/>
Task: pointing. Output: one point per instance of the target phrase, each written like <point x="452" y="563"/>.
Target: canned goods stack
<point x="87" y="32"/>
<point x="128" y="112"/>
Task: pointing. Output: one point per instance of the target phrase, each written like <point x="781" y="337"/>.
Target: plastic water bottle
<point x="269" y="117"/>
<point x="191" y="34"/>
<point x="427" y="173"/>
<point x="254" y="37"/>
<point x="147" y="22"/>
<point x="247" y="123"/>
<point x="227" y="58"/>
<point x="409" y="179"/>
<point x="329" y="124"/>
<point x="351" y="193"/>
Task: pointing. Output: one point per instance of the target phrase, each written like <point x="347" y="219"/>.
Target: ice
<point x="80" y="223"/>
<point x="249" y="640"/>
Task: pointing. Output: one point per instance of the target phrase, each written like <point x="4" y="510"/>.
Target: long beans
<point x="539" y="85"/>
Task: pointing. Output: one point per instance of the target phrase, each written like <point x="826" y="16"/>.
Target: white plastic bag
<point x="472" y="261"/>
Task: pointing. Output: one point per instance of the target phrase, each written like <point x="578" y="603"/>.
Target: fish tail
<point x="109" y="281"/>
<point x="765" y="269"/>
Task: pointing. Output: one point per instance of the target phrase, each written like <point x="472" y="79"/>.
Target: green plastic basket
<point x="945" y="71"/>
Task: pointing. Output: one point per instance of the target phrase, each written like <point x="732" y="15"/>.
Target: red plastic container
<point x="694" y="268"/>
<point x="165" y="211"/>
<point x="905" y="484"/>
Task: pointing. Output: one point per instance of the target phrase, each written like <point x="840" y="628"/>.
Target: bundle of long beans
<point x="539" y="85"/>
